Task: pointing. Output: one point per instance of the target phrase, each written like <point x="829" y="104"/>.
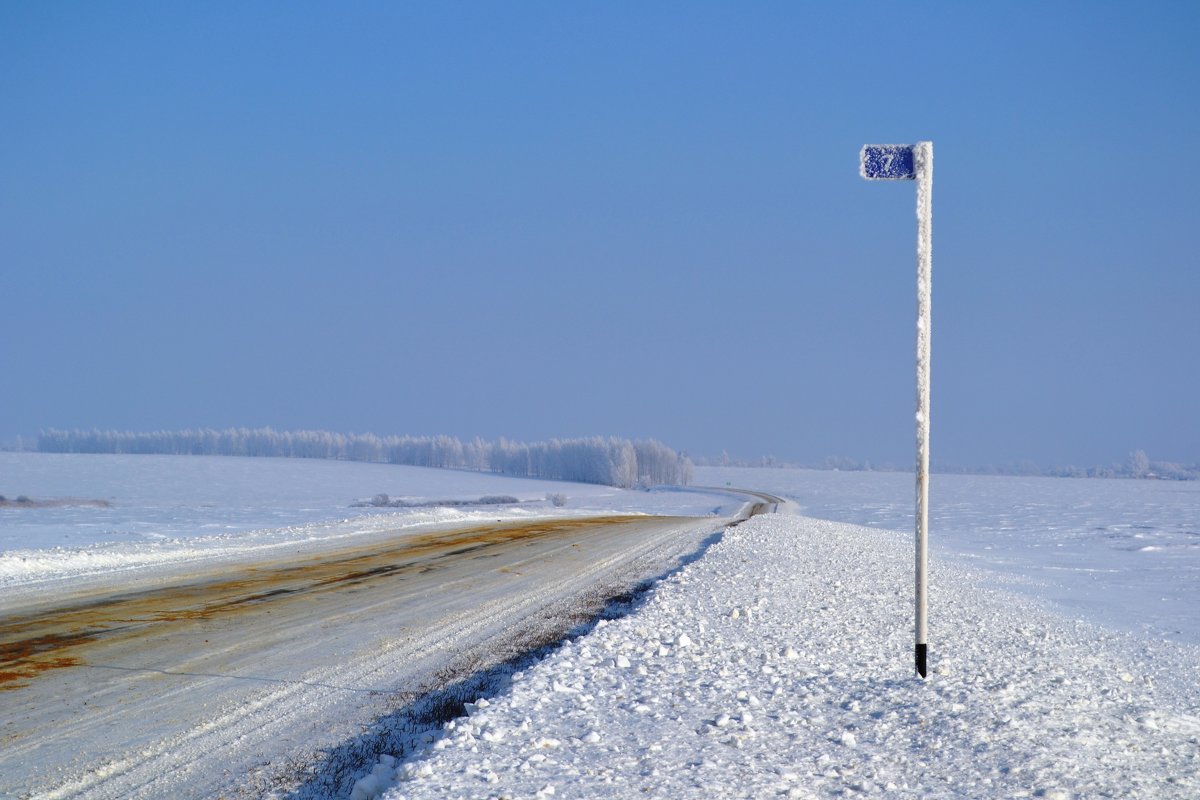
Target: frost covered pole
<point x="915" y="162"/>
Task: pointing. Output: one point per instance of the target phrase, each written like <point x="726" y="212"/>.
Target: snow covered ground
<point x="1123" y="553"/>
<point x="780" y="664"/>
<point x="167" y="510"/>
<point x="1065" y="626"/>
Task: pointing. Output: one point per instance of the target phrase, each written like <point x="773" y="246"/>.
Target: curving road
<point x="186" y="684"/>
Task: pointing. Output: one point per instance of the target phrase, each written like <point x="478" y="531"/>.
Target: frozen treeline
<point x="604" y="460"/>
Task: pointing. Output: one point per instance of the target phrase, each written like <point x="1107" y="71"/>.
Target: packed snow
<point x="780" y="664"/>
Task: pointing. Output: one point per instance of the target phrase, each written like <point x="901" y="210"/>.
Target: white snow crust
<point x="780" y="664"/>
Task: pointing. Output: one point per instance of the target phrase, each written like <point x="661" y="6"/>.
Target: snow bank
<point x="780" y="664"/>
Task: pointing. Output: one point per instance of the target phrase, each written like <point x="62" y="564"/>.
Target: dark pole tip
<point x="922" y="652"/>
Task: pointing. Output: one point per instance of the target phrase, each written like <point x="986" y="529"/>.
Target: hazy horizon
<point x="452" y="452"/>
<point x="552" y="221"/>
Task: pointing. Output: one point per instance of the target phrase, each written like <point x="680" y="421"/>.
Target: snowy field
<point x="1119" y="552"/>
<point x="170" y="509"/>
<point x="780" y="664"/>
<point x="1123" y="553"/>
<point x="1064" y="626"/>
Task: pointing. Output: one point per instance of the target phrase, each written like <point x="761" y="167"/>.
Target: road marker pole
<point x="906" y="162"/>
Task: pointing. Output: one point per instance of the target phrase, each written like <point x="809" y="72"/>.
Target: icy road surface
<point x="182" y="682"/>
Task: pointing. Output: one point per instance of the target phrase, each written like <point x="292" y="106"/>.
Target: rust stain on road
<point x="58" y="637"/>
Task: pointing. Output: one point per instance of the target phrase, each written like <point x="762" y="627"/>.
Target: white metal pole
<point x="923" y="162"/>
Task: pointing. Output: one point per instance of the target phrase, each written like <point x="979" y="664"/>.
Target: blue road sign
<point x="887" y="162"/>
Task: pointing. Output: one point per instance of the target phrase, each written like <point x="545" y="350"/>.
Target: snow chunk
<point x="366" y="788"/>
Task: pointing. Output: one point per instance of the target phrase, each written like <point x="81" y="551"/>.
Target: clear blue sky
<point x="642" y="219"/>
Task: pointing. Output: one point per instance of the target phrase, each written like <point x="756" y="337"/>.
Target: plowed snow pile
<point x="781" y="664"/>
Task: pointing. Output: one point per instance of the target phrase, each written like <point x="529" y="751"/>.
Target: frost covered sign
<point x="888" y="162"/>
<point x="914" y="162"/>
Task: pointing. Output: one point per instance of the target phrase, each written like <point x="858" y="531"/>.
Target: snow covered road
<point x="197" y="683"/>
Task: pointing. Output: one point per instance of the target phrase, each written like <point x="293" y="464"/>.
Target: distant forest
<point x="604" y="460"/>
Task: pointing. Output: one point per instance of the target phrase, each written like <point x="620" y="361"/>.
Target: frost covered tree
<point x="612" y="461"/>
<point x="1139" y="464"/>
